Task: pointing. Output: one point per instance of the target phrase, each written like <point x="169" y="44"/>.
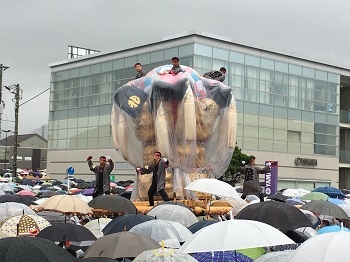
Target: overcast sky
<point x="36" y="33"/>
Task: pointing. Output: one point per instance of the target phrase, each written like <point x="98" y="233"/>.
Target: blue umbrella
<point x="222" y="256"/>
<point x="336" y="201"/>
<point x="330" y="191"/>
<point x="294" y="201"/>
<point x="334" y="228"/>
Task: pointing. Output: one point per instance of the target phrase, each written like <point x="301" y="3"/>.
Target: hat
<point x="175" y="58"/>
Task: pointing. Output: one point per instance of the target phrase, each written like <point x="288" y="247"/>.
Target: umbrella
<point x="66" y="232"/>
<point x="8" y="209"/>
<point x="277" y="214"/>
<point x="88" y="191"/>
<point x="113" y="203"/>
<point x="336" y="201"/>
<point x="213" y="186"/>
<point x="23" y="224"/>
<point x="311" y="216"/>
<point x="222" y="256"/>
<point x="50" y="193"/>
<point x="54" y="217"/>
<point x="314" y="196"/>
<point x="277" y="256"/>
<point x="174" y="203"/>
<point x="325" y="247"/>
<point x="66" y="204"/>
<point x="99" y="259"/>
<point x="307" y="231"/>
<point x="118" y="190"/>
<point x="163" y="255"/>
<point x="97" y="225"/>
<point x="200" y="224"/>
<point x="325" y="208"/>
<point x="278" y="197"/>
<point x="125" y="222"/>
<point x="294" y="201"/>
<point x="25" y="192"/>
<point x="175" y="213"/>
<point x="16" y="198"/>
<point x="333" y="228"/>
<point x="32" y="249"/>
<point x="346" y="208"/>
<point x="118" y="245"/>
<point x="330" y="191"/>
<point x="3" y="235"/>
<point x="234" y="234"/>
<point x="171" y="232"/>
<point x="237" y="205"/>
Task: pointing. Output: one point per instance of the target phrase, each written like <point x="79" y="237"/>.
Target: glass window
<point x="203" y="50"/>
<point x="130" y="61"/>
<point x="62" y="144"/>
<point x="93" y="121"/>
<point x="281" y="67"/>
<point x="322" y="75"/>
<point x="92" y="132"/>
<point x="280" y="112"/>
<point x="333" y="78"/>
<point x="265" y="144"/>
<point x="293" y="147"/>
<point x="158" y="56"/>
<point x="250" y="143"/>
<point x="72" y="144"/>
<point x="104" y="131"/>
<point x="96" y="68"/>
<point x="171" y="52"/>
<point x="252" y="72"/>
<point x="320" y="117"/>
<point x="64" y="75"/>
<point x="266" y="110"/>
<point x="74" y="72"/>
<point x="267" y="75"/>
<point x="294" y="125"/>
<point x="105" y="119"/>
<point x="307" y="138"/>
<point x="267" y="63"/>
<point x="144" y="58"/>
<point x="92" y="143"/>
<point x="236" y="69"/>
<point x="294" y="114"/>
<point x="219" y="63"/>
<point x="251" y="107"/>
<point x="252" y="60"/>
<point x="107" y="66"/>
<point x="219" y="53"/>
<point x="118" y="64"/>
<point x="239" y="105"/>
<point x="236" y="81"/>
<point x="307" y="116"/>
<point x="72" y="123"/>
<point x="266" y="121"/>
<point x="203" y="63"/>
<point x="294" y="136"/>
<point x="82" y="122"/>
<point x="105" y="109"/>
<point x="186" y="50"/>
<point x="295" y="70"/>
<point x="103" y="142"/>
<point x="236" y="57"/>
<point x="332" y="120"/>
<point x="308" y="72"/>
<point x="81" y="143"/>
<point x="72" y="133"/>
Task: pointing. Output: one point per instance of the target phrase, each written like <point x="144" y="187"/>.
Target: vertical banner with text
<point x="271" y="178"/>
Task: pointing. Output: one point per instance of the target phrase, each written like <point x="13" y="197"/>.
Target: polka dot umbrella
<point x="22" y="225"/>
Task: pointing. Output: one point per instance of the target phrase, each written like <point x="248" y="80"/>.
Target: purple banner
<point x="271" y="178"/>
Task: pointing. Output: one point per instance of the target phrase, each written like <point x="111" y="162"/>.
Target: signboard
<point x="70" y="172"/>
<point x="271" y="178"/>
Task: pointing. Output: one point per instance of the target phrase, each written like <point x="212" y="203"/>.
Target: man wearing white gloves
<point x="157" y="168"/>
<point x="102" y="172"/>
<point x="251" y="185"/>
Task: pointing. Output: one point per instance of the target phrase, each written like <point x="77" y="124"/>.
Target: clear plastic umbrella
<point x="9" y="209"/>
<point x="171" y="232"/>
<point x="277" y="256"/>
<point x="163" y="255"/>
<point x="175" y="213"/>
<point x="96" y="226"/>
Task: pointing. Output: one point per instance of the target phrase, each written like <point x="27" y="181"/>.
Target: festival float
<point x="190" y="119"/>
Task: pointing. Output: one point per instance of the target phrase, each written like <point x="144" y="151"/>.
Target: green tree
<point x="232" y="175"/>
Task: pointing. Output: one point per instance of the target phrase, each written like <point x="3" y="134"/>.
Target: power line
<point x="34" y="97"/>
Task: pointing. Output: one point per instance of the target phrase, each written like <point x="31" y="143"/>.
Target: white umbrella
<point x="323" y="248"/>
<point x="171" y="232"/>
<point x="234" y="234"/>
<point x="346" y="208"/>
<point x="277" y="256"/>
<point x="9" y="209"/>
<point x="96" y="226"/>
<point x="213" y="186"/>
<point x="176" y="213"/>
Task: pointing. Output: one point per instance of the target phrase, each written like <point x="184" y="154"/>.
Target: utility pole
<point x="2" y="68"/>
<point x="17" y="98"/>
<point x="14" y="89"/>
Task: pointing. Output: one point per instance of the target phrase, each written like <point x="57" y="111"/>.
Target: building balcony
<point x="345" y="116"/>
<point x="344" y="156"/>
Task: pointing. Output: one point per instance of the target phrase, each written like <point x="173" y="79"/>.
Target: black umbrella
<point x="82" y="185"/>
<point x="27" y="200"/>
<point x="117" y="190"/>
<point x="278" y="197"/>
<point x="50" y="193"/>
<point x="124" y="223"/>
<point x="66" y="232"/>
<point x="113" y="203"/>
<point x="32" y="249"/>
<point x="126" y="195"/>
<point x="55" y="217"/>
<point x="200" y="224"/>
<point x="277" y="214"/>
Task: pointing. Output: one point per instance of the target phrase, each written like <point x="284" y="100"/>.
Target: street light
<point x="6" y="131"/>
